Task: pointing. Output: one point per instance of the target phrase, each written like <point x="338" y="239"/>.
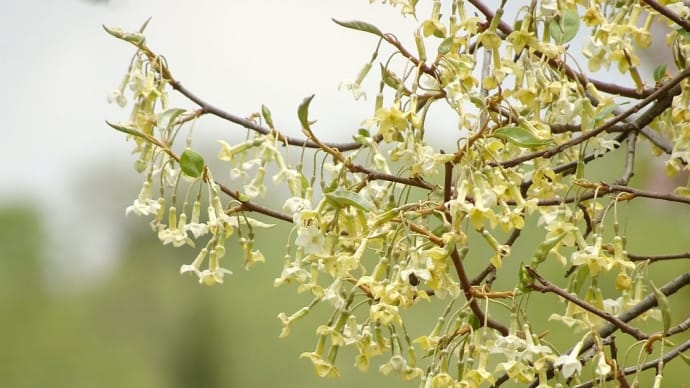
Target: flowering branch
<point x="370" y="246"/>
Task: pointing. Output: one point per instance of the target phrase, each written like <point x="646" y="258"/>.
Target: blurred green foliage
<point x="146" y="326"/>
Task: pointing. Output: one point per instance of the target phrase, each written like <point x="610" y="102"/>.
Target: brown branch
<point x="547" y="286"/>
<point x="165" y="72"/>
<point x="679" y="328"/>
<point x="430" y="70"/>
<point x="462" y="277"/>
<point x="252" y="207"/>
<point x="629" y="159"/>
<point x="489" y="269"/>
<point x="651" y="259"/>
<point x="211" y="109"/>
<point x="646" y="194"/>
<point x="467" y="290"/>
<point x="667" y="12"/>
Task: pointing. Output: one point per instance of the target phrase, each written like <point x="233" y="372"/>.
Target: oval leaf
<point x="360" y="26"/>
<point x="604" y="113"/>
<point x="519" y="136"/>
<point x="446" y="45"/>
<point x="664" y="306"/>
<point x="191" y="163"/>
<point x="344" y="198"/>
<point x="660" y="73"/>
<point x="135" y="38"/>
<point x="266" y="113"/>
<point x="303" y="111"/>
<point x="565" y="29"/>
<point x="130" y="130"/>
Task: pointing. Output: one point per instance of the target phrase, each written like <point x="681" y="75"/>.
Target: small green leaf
<point x="520" y="136"/>
<point x="604" y="113"/>
<point x="446" y="45"/>
<point x="524" y="280"/>
<point x="344" y="198"/>
<point x="390" y="78"/>
<point x="544" y="248"/>
<point x="684" y="33"/>
<point x="303" y="111"/>
<point x="581" y="276"/>
<point x="360" y="26"/>
<point x="660" y="72"/>
<point x="167" y="118"/>
<point x="664" y="306"/>
<point x="685" y="358"/>
<point x="192" y="163"/>
<point x="564" y="30"/>
<point x="135" y="38"/>
<point x="253" y="222"/>
<point x="130" y="130"/>
<point x="143" y="26"/>
<point x="266" y="113"/>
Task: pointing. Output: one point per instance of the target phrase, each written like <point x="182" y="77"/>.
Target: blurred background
<point x="88" y="297"/>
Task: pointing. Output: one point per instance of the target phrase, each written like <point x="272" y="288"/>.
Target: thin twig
<point x="467" y="290"/>
<point x="667" y="12"/>
<point x="490" y="268"/>
<point x="547" y="286"/>
<point x="651" y="259"/>
<point x="253" y="207"/>
<point x="629" y="159"/>
<point x="300" y="142"/>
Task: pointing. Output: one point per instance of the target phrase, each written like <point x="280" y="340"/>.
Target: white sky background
<point x="57" y="65"/>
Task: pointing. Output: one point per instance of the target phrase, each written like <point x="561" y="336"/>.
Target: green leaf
<point x="360" y="26"/>
<point x="390" y="78"/>
<point x="544" y="248"/>
<point x="520" y="136"/>
<point x="446" y="45"/>
<point x="192" y="163"/>
<point x="524" y="280"/>
<point x="660" y="72"/>
<point x="143" y="26"/>
<point x="345" y="198"/>
<point x="684" y="33"/>
<point x="130" y="130"/>
<point x="135" y="38"/>
<point x="253" y="222"/>
<point x="266" y="113"/>
<point x="564" y="30"/>
<point x="581" y="276"/>
<point x="604" y="113"/>
<point x="664" y="306"/>
<point x="303" y="111"/>
<point x="685" y="358"/>
<point x="167" y="118"/>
